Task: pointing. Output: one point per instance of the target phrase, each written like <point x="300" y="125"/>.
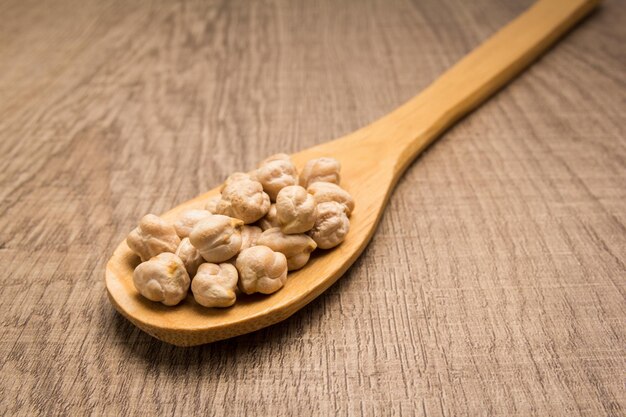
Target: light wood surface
<point x="494" y="284"/>
<point x="370" y="170"/>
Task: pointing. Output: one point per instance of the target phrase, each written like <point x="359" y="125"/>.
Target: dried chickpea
<point x="217" y="238"/>
<point x="270" y="220"/>
<point x="187" y="220"/>
<point x="331" y="226"/>
<point x="327" y="191"/>
<point x="261" y="270"/>
<point x="152" y="236"/>
<point x="211" y="204"/>
<point x="249" y="236"/>
<point x="275" y="173"/>
<point x="190" y="256"/>
<point x="244" y="199"/>
<point x="162" y="278"/>
<point x="235" y="177"/>
<point x="320" y="169"/>
<point x="296" y="248"/>
<point x="215" y="285"/>
<point x="295" y="210"/>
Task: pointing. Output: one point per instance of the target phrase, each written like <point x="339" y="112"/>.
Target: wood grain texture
<point x="495" y="284"/>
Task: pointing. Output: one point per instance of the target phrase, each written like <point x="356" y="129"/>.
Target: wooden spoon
<point x="372" y="158"/>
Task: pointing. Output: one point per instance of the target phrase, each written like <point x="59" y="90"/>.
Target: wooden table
<point x="495" y="284"/>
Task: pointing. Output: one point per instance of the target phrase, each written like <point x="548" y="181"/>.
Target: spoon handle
<point x="462" y="88"/>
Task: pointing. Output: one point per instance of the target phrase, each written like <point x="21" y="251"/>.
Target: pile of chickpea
<point x="262" y="225"/>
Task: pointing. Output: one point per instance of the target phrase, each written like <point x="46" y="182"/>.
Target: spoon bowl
<point x="373" y="159"/>
<point x="189" y="323"/>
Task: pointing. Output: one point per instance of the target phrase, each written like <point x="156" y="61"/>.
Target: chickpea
<point x="217" y="238"/>
<point x="295" y="210"/>
<point x="320" y="169"/>
<point x="215" y="285"/>
<point x="327" y="191"/>
<point x="162" y="278"/>
<point x="296" y="248"/>
<point x="275" y="173"/>
<point x="211" y="204"/>
<point x="152" y="236"/>
<point x="236" y="177"/>
<point x="270" y="220"/>
<point x="245" y="200"/>
<point x="331" y="226"/>
<point x="261" y="270"/>
<point x="187" y="220"/>
<point x="249" y="236"/>
<point x="190" y="256"/>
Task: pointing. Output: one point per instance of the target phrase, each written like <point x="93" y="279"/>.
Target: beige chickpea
<point x="269" y="220"/>
<point x="261" y="270"/>
<point x="217" y="238"/>
<point x="190" y="256"/>
<point x="296" y="248"/>
<point x="327" y="191"/>
<point x="331" y="226"/>
<point x="275" y="173"/>
<point x="244" y="200"/>
<point x="187" y="220"/>
<point x="320" y="169"/>
<point x="215" y="285"/>
<point x="152" y="236"/>
<point x="295" y="210"/>
<point x="249" y="236"/>
<point x="211" y="204"/>
<point x="236" y="177"/>
<point x="163" y="279"/>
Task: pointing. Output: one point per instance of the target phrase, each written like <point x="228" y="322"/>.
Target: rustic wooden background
<point x="495" y="284"/>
